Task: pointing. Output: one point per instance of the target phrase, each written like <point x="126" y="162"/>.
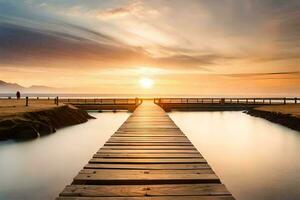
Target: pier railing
<point x="102" y="101"/>
<point x="75" y="101"/>
<point x="250" y="101"/>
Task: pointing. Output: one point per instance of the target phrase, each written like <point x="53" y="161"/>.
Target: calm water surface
<point x="39" y="169"/>
<point x="255" y="159"/>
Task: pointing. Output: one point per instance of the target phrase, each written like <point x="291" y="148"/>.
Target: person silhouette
<point x="18" y="94"/>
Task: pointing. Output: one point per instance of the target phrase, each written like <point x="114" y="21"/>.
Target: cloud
<point x="21" y="45"/>
<point x="26" y="46"/>
<point x="120" y="11"/>
<point x="267" y="75"/>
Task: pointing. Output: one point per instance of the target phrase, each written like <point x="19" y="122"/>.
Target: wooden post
<point x="270" y="101"/>
<point x="57" y="101"/>
<point x="295" y="100"/>
<point x="247" y="101"/>
<point x="284" y="100"/>
<point x="26" y="101"/>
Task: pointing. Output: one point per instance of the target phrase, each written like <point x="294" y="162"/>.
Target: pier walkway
<point x="147" y="158"/>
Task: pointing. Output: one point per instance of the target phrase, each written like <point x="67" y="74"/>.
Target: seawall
<point x="29" y="125"/>
<point x="285" y="119"/>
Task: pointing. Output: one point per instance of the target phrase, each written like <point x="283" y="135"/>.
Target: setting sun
<point x="146" y="83"/>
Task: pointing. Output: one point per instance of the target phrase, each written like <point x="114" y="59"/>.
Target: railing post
<point x="270" y="100"/>
<point x="246" y="100"/>
<point x="284" y="100"/>
<point x="26" y="101"/>
<point x="295" y="100"/>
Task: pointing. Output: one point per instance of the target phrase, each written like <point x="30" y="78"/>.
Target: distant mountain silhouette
<point x="6" y="87"/>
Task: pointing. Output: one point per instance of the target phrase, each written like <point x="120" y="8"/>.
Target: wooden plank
<point x="145" y="139"/>
<point x="147" y="144"/>
<point x="147" y="166"/>
<point x="151" y="198"/>
<point x="148" y="151"/>
<point x="146" y="135"/>
<point x="145" y="190"/>
<point x="148" y="161"/>
<point x="125" y="172"/>
<point x="137" y="177"/>
<point x="149" y="147"/>
<point x="143" y="156"/>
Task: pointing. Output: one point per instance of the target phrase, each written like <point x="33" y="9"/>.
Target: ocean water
<point x="255" y="158"/>
<point x="41" y="168"/>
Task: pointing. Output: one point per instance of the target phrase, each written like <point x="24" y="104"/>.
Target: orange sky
<point x="192" y="47"/>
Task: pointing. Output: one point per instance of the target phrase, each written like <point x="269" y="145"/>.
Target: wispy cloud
<point x="133" y="8"/>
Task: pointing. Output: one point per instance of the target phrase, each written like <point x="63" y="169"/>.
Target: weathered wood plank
<point x="149" y="147"/>
<point x="143" y="190"/>
<point x="147" y="144"/>
<point x="151" y="198"/>
<point x="148" y="151"/>
<point x="143" y="156"/>
<point x="137" y="177"/>
<point x="147" y="166"/>
<point x="147" y="161"/>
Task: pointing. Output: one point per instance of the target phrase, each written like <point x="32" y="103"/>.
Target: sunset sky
<point x="191" y="47"/>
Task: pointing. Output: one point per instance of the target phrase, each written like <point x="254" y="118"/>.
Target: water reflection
<point x="256" y="159"/>
<point x="39" y="169"/>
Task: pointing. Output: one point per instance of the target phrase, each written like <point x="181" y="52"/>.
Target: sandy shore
<point x="11" y="107"/>
<point x="287" y="115"/>
<point x="40" y="117"/>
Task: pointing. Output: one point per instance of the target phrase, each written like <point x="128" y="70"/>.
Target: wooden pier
<point x="147" y="158"/>
<point x="220" y="104"/>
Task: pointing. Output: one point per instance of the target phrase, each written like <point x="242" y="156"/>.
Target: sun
<point x="146" y="83"/>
